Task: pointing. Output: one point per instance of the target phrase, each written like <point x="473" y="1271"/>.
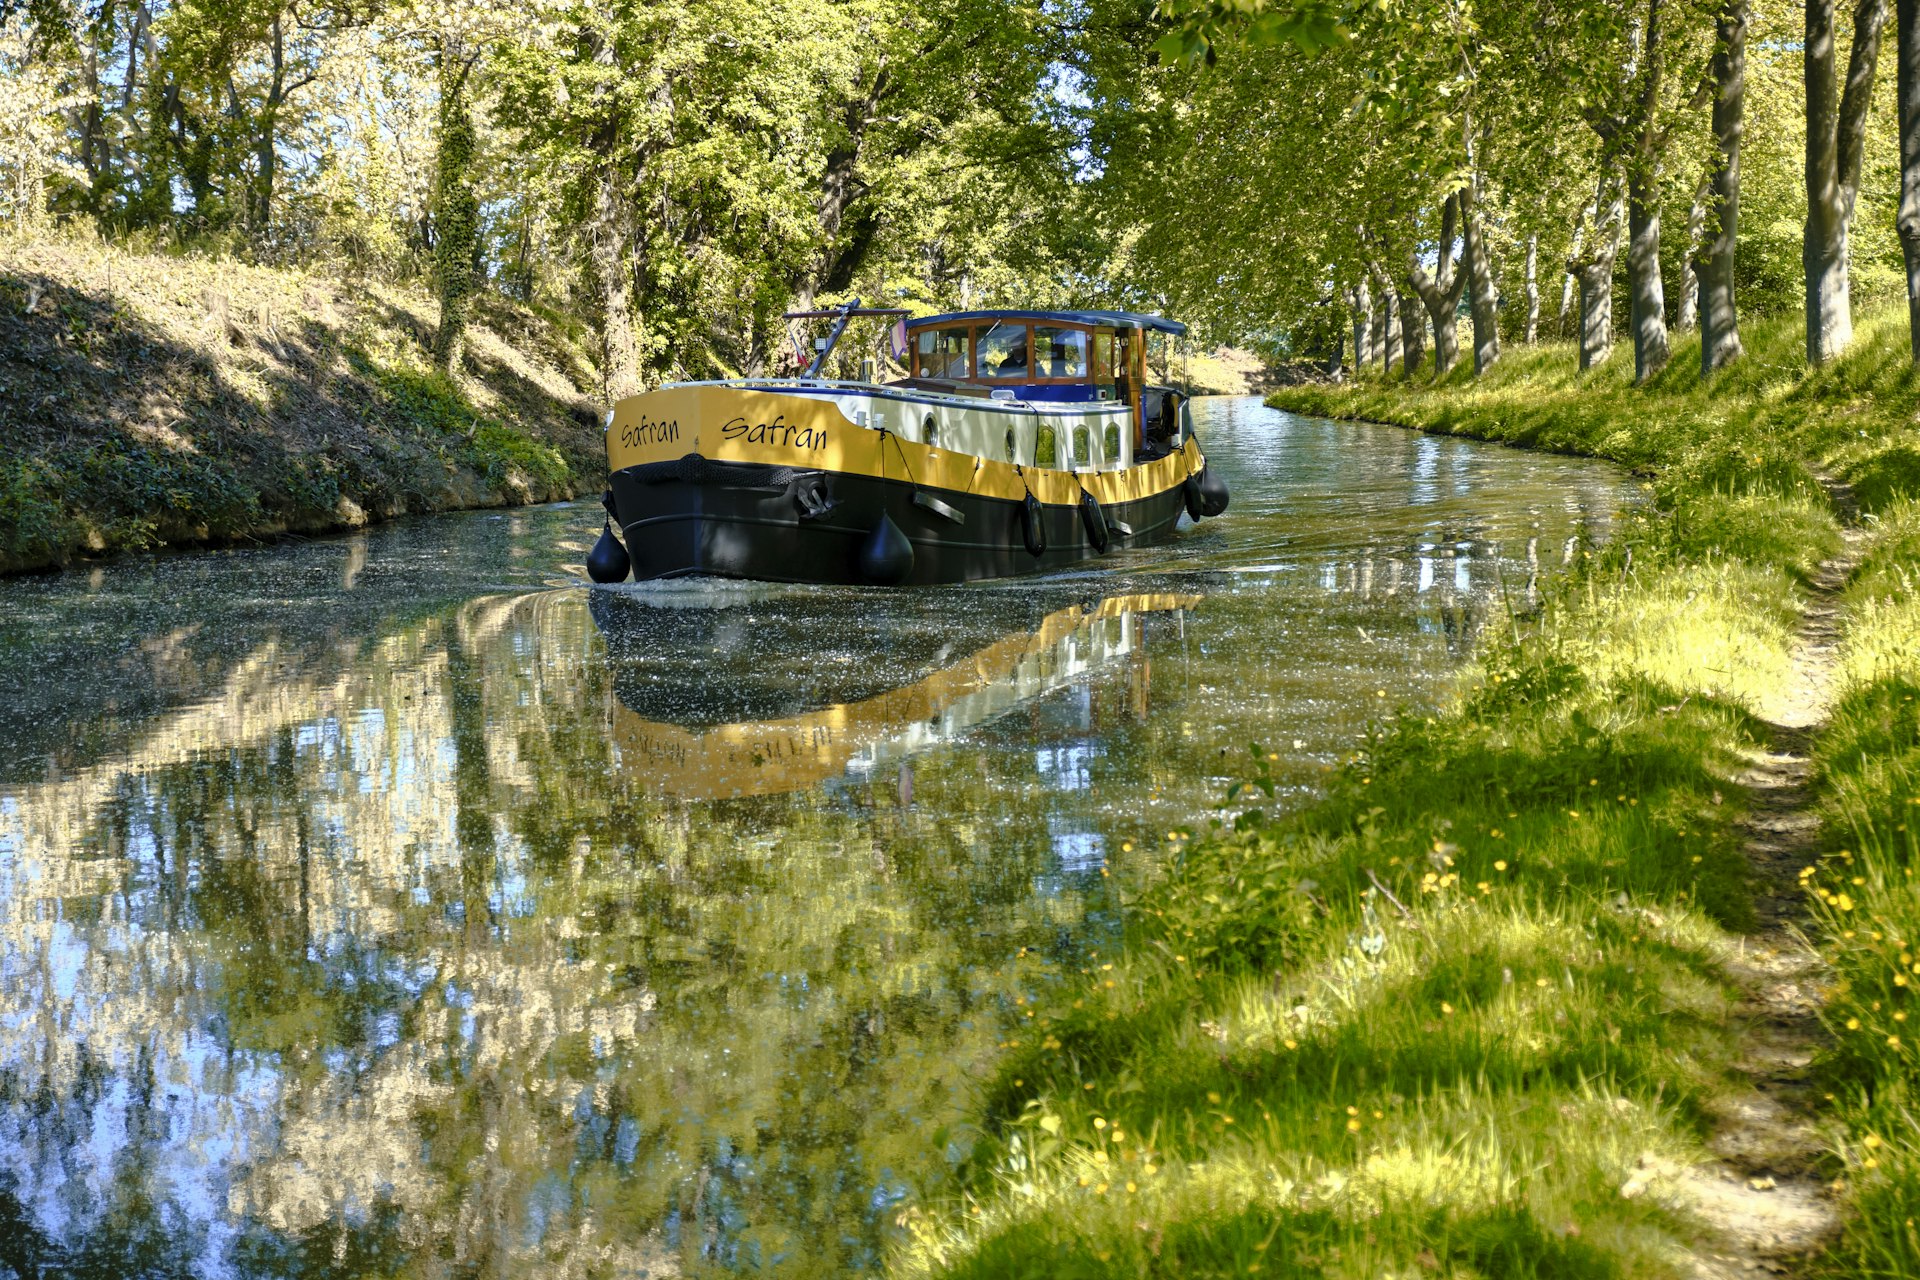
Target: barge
<point x="1015" y="442"/>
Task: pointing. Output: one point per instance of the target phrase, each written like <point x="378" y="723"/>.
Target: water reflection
<point x="852" y="739"/>
<point x="394" y="905"/>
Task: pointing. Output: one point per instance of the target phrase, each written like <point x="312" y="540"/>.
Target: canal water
<point x="396" y="905"/>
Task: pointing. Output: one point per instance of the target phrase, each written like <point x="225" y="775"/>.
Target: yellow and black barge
<point x="1018" y="441"/>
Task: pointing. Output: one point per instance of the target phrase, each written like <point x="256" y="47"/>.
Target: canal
<point x="394" y="905"/>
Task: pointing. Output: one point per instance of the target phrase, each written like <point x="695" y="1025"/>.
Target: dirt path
<point x="1764" y="1197"/>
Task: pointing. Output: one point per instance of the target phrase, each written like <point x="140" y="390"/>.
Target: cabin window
<point x="1012" y="453"/>
<point x="1102" y="356"/>
<point x="1045" y="450"/>
<point x="1003" y="352"/>
<point x="944" y="353"/>
<point x="1112" y="443"/>
<point x="1081" y="443"/>
<point x="1062" y="352"/>
<point x="931" y="431"/>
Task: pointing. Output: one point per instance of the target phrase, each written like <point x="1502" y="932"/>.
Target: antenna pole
<point x="833" y="338"/>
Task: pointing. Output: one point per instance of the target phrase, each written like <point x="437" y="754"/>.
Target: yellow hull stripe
<point x="733" y="424"/>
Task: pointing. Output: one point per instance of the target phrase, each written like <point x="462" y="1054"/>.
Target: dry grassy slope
<point x="150" y="400"/>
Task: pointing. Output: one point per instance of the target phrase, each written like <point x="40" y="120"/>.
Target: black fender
<point x="886" y="557"/>
<point x="1033" y="526"/>
<point x="1213" y="492"/>
<point x="608" y="561"/>
<point x="1095" y="521"/>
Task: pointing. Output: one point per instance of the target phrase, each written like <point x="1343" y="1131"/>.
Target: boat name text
<point x="646" y="431"/>
<point x="779" y="431"/>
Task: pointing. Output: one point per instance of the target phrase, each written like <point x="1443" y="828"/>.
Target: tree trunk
<point x="1689" y="312"/>
<point x="1533" y="290"/>
<point x="1836" y="139"/>
<point x="1483" y="295"/>
<point x="457" y="213"/>
<point x="1719" y="322"/>
<point x="1362" y="327"/>
<point x="266" y="151"/>
<point x="1594" y="275"/>
<point x="1439" y="292"/>
<point x="607" y="244"/>
<point x="841" y="256"/>
<point x="1648" y="312"/>
<point x="1566" y="284"/>
<point x="1413" y="334"/>
<point x="1909" y="217"/>
<point x="1391" y="344"/>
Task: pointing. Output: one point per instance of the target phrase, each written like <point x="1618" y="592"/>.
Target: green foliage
<point x="35" y="525"/>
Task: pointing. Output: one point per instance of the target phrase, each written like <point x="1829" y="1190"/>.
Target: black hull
<point x="775" y="524"/>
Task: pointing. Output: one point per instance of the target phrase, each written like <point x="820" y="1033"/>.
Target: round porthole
<point x="1010" y="445"/>
<point x="930" y="431"/>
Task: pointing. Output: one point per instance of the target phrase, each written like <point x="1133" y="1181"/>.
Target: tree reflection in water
<point x="355" y="923"/>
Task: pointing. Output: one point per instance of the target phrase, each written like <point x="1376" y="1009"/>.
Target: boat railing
<point x="842" y="386"/>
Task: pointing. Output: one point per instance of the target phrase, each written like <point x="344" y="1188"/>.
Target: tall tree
<point x="1836" y="143"/>
<point x="1592" y="271"/>
<point x="1392" y="343"/>
<point x="1439" y="290"/>
<point x="1483" y="297"/>
<point x="1719" y="321"/>
<point x="1531" y="334"/>
<point x="456" y="207"/>
<point x="1361" y="301"/>
<point x="1908" y="93"/>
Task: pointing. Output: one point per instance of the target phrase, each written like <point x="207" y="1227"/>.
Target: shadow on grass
<point x="121" y="433"/>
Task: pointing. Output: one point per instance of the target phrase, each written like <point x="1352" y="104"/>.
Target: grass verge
<point x="1868" y="903"/>
<point x="1470" y="1013"/>
<point x="148" y="400"/>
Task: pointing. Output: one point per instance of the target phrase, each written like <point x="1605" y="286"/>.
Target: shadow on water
<point x="396" y="905"/>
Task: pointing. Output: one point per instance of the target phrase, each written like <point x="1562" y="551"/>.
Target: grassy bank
<point x="148" y="400"/>
<point x="1868" y="904"/>
<point x="1761" y="422"/>
<point x="1474" y="1013"/>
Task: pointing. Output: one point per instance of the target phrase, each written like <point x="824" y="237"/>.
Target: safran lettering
<point x="779" y="431"/>
<point x="646" y="431"/>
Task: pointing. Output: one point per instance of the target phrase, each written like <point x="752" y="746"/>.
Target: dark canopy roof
<point x="1114" y="319"/>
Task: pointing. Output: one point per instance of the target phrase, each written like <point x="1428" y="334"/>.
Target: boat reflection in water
<point x="808" y="717"/>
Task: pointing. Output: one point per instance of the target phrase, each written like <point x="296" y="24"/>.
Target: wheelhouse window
<point x="944" y="353"/>
<point x="1062" y="352"/>
<point x="1003" y="352"/>
<point x="1102" y="356"/>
